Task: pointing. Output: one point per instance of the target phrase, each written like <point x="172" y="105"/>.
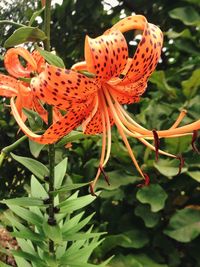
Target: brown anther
<point x="194" y="139"/>
<point x="146" y="181"/>
<point x="104" y="174"/>
<point x="92" y="190"/>
<point x="156" y="143"/>
<point x="181" y="164"/>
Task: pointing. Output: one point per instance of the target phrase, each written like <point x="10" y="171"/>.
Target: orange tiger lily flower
<point x="12" y="87"/>
<point x="96" y="103"/>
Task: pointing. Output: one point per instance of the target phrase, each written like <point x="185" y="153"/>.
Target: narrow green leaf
<point x="30" y="257"/>
<point x="53" y="232"/>
<point x="81" y="236"/>
<point x="23" y="35"/>
<point x="69" y="223"/>
<point x="28" y="234"/>
<point x="83" y="254"/>
<point x="26" y="246"/>
<point x="60" y="171"/>
<point x="154" y="195"/>
<point x="71" y="205"/>
<point x="27" y="215"/>
<point x="34" y="119"/>
<point x="37" y="190"/>
<point x="36" y="167"/>
<point x="35" y="15"/>
<point x="76" y="227"/>
<point x="69" y="187"/>
<point x="71" y="137"/>
<point x="51" y="58"/>
<point x="23" y="201"/>
<point x="184" y="225"/>
<point x="21" y="262"/>
<point x="35" y="148"/>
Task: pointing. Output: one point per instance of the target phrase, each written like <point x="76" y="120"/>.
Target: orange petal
<point x="13" y="64"/>
<point x="71" y="120"/>
<point x="56" y="85"/>
<point x="79" y="66"/>
<point x="39" y="61"/>
<point x="136" y="22"/>
<point x="148" y="51"/>
<point x="106" y="55"/>
<point x="40" y="109"/>
<point x="95" y="125"/>
<point x="129" y="93"/>
<point x="123" y="96"/>
<point x="8" y="86"/>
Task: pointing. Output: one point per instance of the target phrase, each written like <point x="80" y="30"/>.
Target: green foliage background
<point x="155" y="226"/>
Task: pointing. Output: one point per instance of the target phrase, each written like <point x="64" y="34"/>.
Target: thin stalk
<point x="6" y="150"/>
<point x="8" y="22"/>
<point x="51" y="220"/>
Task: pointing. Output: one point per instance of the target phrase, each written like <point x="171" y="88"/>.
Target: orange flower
<point x="12" y="87"/>
<point x="96" y="103"/>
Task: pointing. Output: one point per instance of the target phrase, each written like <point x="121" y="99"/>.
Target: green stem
<point x="6" y="150"/>
<point x="51" y="220"/>
<point x="18" y="25"/>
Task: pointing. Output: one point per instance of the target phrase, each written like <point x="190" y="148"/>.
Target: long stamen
<point x="138" y="136"/>
<point x="108" y="128"/>
<point x="103" y="149"/>
<point x="85" y="123"/>
<point x="127" y="115"/>
<point x="172" y="132"/>
<point x="120" y="129"/>
<point x="179" y="119"/>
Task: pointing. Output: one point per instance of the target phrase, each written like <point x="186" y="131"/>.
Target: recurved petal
<point x="8" y="86"/>
<point x="148" y="51"/>
<point x="66" y="124"/>
<point x="57" y="85"/>
<point x="106" y="55"/>
<point x="126" y="94"/>
<point x="39" y="61"/>
<point x="13" y="64"/>
<point x="129" y="93"/>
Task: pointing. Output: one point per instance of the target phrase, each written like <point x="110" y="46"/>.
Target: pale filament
<point x="120" y="129"/>
<point x="103" y="150"/>
<point x="179" y="119"/>
<point x="175" y="132"/>
<point x="85" y="123"/>
<point x="108" y="129"/>
<point x="145" y="142"/>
